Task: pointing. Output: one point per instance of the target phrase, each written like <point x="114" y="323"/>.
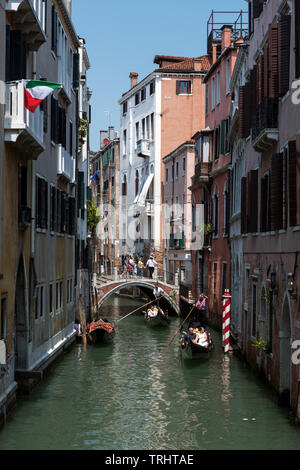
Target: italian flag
<point x="36" y="91"/>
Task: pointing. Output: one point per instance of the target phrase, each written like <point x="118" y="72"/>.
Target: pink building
<point x="269" y="120"/>
<point x="179" y="169"/>
<point x="218" y="112"/>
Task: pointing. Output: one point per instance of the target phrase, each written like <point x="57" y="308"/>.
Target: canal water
<point x="138" y="394"/>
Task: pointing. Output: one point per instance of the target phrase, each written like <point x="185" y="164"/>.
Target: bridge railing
<point x="161" y="275"/>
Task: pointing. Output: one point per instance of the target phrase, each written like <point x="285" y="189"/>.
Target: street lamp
<point x="291" y="283"/>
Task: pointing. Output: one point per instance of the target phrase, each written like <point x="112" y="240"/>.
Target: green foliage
<point x="92" y="218"/>
<point x="260" y="345"/>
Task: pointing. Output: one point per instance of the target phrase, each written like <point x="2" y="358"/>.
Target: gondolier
<point x="158" y="293"/>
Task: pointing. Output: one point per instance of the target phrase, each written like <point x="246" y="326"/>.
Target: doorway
<point x="21" y="319"/>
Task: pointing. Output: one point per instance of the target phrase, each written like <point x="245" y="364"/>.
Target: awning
<point x="141" y="199"/>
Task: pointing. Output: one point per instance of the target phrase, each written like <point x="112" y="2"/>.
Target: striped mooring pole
<point x="226" y="320"/>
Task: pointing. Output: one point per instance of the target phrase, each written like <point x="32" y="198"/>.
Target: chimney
<point x="214" y="53"/>
<point x="111" y="133"/>
<point x="104" y="135"/>
<point x="134" y="79"/>
<point x="226" y="36"/>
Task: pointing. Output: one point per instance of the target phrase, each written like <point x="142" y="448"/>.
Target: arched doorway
<point x="285" y="352"/>
<point x="21" y="318"/>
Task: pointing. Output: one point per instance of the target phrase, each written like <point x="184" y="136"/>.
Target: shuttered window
<point x="273" y="60"/>
<point x="277" y="192"/>
<point x="15" y="56"/>
<point x="244" y="205"/>
<point x="284" y="40"/>
<point x="253" y="202"/>
<point x="41" y="203"/>
<point x="293" y="196"/>
<point x="265" y="213"/>
<point x="297" y="37"/>
<point x="53" y="209"/>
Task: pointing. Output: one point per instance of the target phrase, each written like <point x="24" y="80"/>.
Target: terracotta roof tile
<point x="188" y="64"/>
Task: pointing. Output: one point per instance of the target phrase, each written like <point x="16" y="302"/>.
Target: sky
<point x="123" y="36"/>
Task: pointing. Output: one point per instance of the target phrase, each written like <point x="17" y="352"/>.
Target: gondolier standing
<point x="158" y="292"/>
<point x="202" y="306"/>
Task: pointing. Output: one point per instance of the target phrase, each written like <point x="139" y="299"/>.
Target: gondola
<point x="190" y="350"/>
<point x="159" y="320"/>
<point x="100" y="332"/>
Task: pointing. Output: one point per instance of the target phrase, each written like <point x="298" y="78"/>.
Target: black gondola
<point x="161" y="319"/>
<point x="191" y="350"/>
<point x="100" y="332"/>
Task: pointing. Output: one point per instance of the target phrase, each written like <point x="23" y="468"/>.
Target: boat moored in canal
<point x="100" y="331"/>
<point x="192" y="349"/>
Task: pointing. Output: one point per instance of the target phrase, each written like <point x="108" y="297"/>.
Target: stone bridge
<point x="105" y="289"/>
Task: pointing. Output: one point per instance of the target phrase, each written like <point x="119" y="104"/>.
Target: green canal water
<point x="138" y="394"/>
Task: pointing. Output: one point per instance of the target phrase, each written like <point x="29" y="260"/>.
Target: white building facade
<point x="140" y="167"/>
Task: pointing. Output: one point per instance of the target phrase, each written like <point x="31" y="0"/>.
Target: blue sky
<point x="124" y="36"/>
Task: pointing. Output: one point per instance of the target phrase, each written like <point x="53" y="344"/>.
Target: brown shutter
<point x="263" y="204"/>
<point x="260" y="70"/>
<point x="273" y="57"/>
<point x="277" y="192"/>
<point x="297" y="37"/>
<point x="253" y="201"/>
<point x="244" y="205"/>
<point x="293" y="183"/>
<point x="284" y="42"/>
<point x="241" y="122"/>
<point x="266" y="70"/>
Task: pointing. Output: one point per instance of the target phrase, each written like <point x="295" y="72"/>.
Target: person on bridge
<point x="158" y="293"/>
<point x="151" y="265"/>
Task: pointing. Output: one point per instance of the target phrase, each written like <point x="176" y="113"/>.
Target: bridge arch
<point x="105" y="291"/>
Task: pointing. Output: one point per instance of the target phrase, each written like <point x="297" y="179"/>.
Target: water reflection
<point x="138" y="394"/>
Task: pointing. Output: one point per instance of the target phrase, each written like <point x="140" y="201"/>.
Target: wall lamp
<point x="291" y="283"/>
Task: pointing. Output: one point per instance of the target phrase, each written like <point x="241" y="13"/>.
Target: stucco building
<point x="269" y="121"/>
<point x="157" y="115"/>
<point x="38" y="192"/>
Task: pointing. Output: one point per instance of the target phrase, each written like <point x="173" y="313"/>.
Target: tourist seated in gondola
<point x="203" y="338"/>
<point x="152" y="313"/>
<point x="190" y="336"/>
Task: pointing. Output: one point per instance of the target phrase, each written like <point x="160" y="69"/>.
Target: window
<point x="137" y="99"/>
<point x="226" y="213"/>
<point x="54" y="37"/>
<point x="40" y="302"/>
<point x="137" y="131"/>
<point x="167" y="175"/>
<point x="124" y="142"/>
<point x="69" y="291"/>
<point x="207" y="99"/>
<point x="183" y="166"/>
<point x="143" y="94"/>
<point x="3" y="315"/>
<point x="218" y="88"/>
<point x="152" y="126"/>
<point x="125" y="107"/>
<point x="71" y="139"/>
<point x="59" y="296"/>
<point x="224" y="278"/>
<point x="41" y="203"/>
<point x="227" y="75"/>
<point x="51" y="299"/>
<point x="254" y="310"/>
<point x="183" y="87"/>
<point x="53" y="209"/>
<point x="215" y="280"/>
<point x="217" y="143"/>
<point x="213" y="93"/>
<point x="265" y="204"/>
<point x="216" y="215"/>
<point x="147" y="128"/>
<point x="143" y="129"/>
<point x="177" y="170"/>
<point x="152" y="87"/>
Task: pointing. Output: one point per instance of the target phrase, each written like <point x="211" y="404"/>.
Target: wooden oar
<point x="170" y="342"/>
<point x="140" y="308"/>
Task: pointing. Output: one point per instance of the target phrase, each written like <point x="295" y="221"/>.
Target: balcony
<point x="65" y="165"/>
<point x="202" y="171"/>
<point x="265" y="125"/>
<point x="29" y="16"/>
<point x="177" y="243"/>
<point x="23" y="130"/>
<point x="143" y="148"/>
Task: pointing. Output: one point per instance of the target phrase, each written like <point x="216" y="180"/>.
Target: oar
<point x="170" y="342"/>
<point x="140" y="308"/>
